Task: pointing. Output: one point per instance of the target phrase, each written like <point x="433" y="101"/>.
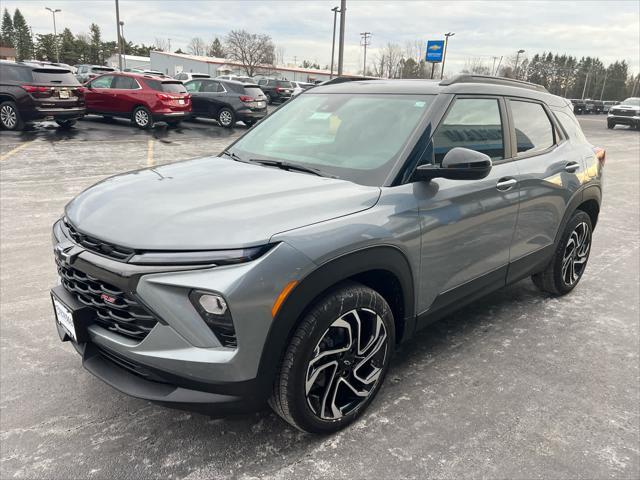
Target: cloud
<point x="609" y="30"/>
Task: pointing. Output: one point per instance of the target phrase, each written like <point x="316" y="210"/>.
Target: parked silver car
<point x="288" y="268"/>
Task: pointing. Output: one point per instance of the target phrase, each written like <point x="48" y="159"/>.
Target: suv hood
<point x="210" y="203"/>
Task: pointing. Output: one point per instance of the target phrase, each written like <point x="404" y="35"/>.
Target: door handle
<point x="505" y="184"/>
<point x="572" y="167"/>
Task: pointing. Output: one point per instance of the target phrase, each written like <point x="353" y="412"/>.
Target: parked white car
<point x="299" y="87"/>
<point x="237" y="78"/>
<point x="186" y="76"/>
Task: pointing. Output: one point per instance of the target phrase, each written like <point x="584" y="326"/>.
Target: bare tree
<point x="280" y="55"/>
<point x="386" y="63"/>
<point x="476" y="65"/>
<point x="197" y="46"/>
<point x="161" y="44"/>
<point x="251" y="50"/>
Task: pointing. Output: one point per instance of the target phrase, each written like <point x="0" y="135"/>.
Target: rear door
<point x="198" y="100"/>
<point x="467" y="225"/>
<point x="212" y="93"/>
<point x="98" y="96"/>
<point x="549" y="171"/>
<point x="125" y="94"/>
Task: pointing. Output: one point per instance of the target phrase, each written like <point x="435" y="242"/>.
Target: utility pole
<point x="499" y="63"/>
<point x="335" y="11"/>
<point x="493" y="67"/>
<point x="365" y="43"/>
<point x="55" y="32"/>
<point x="343" y="14"/>
<point x="515" y="69"/>
<point x="444" y="56"/>
<point x="604" y="83"/>
<point x="119" y="39"/>
<point x="123" y="44"/>
<point x="586" y="80"/>
<point x="169" y="45"/>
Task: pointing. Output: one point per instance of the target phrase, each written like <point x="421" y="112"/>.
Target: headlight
<point x="206" y="257"/>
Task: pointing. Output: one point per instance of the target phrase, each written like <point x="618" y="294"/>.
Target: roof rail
<point x="511" y="82"/>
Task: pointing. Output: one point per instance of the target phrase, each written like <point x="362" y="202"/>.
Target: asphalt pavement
<point x="516" y="385"/>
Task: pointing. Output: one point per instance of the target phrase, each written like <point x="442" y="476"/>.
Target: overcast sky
<point x="607" y="29"/>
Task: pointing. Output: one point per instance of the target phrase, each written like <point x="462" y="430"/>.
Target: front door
<point x="98" y="95"/>
<point x="467" y="225"/>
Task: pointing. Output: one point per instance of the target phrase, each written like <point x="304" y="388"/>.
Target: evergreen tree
<point x="23" y="41"/>
<point x="95" y="44"/>
<point x="68" y="50"/>
<point x="7" y="34"/>
<point x="215" y="49"/>
<point x="46" y="47"/>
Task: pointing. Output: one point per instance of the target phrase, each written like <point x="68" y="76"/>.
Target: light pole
<point x="515" y="69"/>
<point x="343" y="13"/>
<point x="335" y="11"/>
<point x="119" y="39"/>
<point x="55" y="32"/>
<point x="444" y="56"/>
<point x="606" y="72"/>
<point x="124" y="59"/>
<point x="365" y="42"/>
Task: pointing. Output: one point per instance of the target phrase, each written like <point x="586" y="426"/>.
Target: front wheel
<point x="610" y="125"/>
<point x="10" y="117"/>
<point x="142" y="118"/>
<point x="570" y="259"/>
<point x="336" y="361"/>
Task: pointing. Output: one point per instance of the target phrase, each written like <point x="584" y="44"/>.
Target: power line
<point x="365" y="41"/>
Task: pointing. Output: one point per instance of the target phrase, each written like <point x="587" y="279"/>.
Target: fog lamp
<point x="213" y="304"/>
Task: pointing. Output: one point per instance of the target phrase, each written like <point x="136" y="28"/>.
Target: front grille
<point x="624" y="113"/>
<point x="98" y="246"/>
<point x="115" y="310"/>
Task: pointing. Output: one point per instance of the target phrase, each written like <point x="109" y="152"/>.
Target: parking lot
<point x="517" y="385"/>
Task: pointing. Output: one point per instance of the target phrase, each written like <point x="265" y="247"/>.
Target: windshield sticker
<point x="320" y="115"/>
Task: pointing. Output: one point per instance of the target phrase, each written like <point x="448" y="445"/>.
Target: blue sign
<point x="435" y="49"/>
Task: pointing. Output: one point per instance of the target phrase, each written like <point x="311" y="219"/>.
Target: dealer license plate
<point x="64" y="317"/>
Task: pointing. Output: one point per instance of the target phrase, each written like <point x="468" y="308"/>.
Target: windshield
<point x="354" y="137"/>
<point x="635" y="101"/>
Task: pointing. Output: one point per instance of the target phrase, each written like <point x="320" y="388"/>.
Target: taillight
<point x="601" y="155"/>
<point x="34" y="89"/>
<point x="278" y="89"/>
<point x="164" y="96"/>
<point x="245" y="98"/>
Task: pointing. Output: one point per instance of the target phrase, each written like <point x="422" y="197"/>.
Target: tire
<point x="610" y="125"/>
<point x="142" y="118"/>
<point x="269" y="99"/>
<point x="572" y="251"/>
<point x="226" y="117"/>
<point x="249" y="123"/>
<point x="65" y="124"/>
<point x="10" y="116"/>
<point x="320" y="400"/>
<point x="174" y="123"/>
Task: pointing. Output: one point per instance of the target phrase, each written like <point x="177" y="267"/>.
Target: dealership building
<point x="173" y="63"/>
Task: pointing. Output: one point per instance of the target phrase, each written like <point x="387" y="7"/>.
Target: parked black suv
<point x="276" y="90"/>
<point x="227" y="101"/>
<point x="30" y="92"/>
<point x="85" y="73"/>
<point x="579" y="106"/>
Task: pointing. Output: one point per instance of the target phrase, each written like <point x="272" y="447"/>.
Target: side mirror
<point x="458" y="164"/>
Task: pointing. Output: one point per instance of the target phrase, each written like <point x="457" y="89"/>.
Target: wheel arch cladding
<point x="588" y="200"/>
<point x="592" y="208"/>
<point x="382" y="268"/>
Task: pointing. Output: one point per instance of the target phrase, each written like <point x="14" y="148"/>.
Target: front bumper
<point x="624" y="119"/>
<point x="180" y="362"/>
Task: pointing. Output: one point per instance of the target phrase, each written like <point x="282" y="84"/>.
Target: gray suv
<point x="288" y="268"/>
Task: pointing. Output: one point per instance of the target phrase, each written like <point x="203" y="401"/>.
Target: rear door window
<point x="534" y="131"/>
<point x="102" y="82"/>
<point x="473" y="123"/>
<point x="212" y="87"/>
<point x="125" y="83"/>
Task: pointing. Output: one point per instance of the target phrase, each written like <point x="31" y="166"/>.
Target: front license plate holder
<point x="72" y="317"/>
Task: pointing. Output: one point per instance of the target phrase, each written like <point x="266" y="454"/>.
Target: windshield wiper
<point x="233" y="156"/>
<point x="289" y="166"/>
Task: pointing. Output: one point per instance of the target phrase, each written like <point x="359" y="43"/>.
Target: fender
<point x="589" y="192"/>
<point x="324" y="277"/>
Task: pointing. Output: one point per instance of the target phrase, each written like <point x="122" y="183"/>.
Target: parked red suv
<point x="142" y="98"/>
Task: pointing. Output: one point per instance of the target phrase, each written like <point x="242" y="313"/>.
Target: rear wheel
<point x="336" y="360"/>
<point x="610" y="125"/>
<point x="570" y="259"/>
<point x="10" y="117"/>
<point x="226" y="117"/>
<point x="142" y="118"/>
<point x="269" y="99"/>
<point x="64" y="124"/>
<point x="249" y="123"/>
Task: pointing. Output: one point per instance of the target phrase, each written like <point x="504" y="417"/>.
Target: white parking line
<point x="150" y="160"/>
